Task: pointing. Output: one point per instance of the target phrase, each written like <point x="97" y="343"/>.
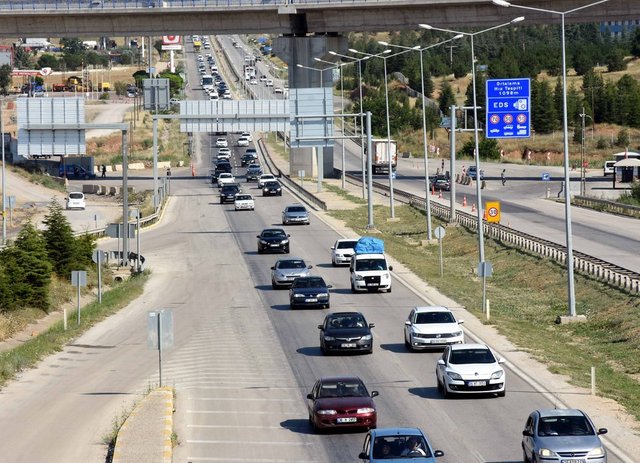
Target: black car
<point x="440" y="184"/>
<point x="309" y="291"/>
<point x="273" y="239"/>
<point x="253" y="172"/>
<point x="247" y="158"/>
<point x="221" y="166"/>
<point x="228" y="193"/>
<point x="272" y="188"/>
<point x="346" y="332"/>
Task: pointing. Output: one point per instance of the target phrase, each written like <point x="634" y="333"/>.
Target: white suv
<point x="75" y="200"/>
<point x="370" y="272"/>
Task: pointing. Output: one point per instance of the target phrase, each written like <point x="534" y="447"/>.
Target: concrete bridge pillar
<point x="302" y="50"/>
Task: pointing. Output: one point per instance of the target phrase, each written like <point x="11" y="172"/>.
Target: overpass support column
<point x="302" y="50"/>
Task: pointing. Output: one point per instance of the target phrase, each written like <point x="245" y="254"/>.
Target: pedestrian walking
<point x="503" y="176"/>
<point x="442" y="165"/>
<point x="168" y="171"/>
<point x="103" y="170"/>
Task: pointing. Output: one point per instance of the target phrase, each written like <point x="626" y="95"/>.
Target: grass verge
<point x="31" y="352"/>
<point x="527" y="294"/>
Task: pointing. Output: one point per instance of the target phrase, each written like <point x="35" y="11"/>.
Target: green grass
<point x="527" y="294"/>
<point x="344" y="194"/>
<point x="53" y="339"/>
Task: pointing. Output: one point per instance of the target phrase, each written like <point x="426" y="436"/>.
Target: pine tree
<point x="543" y="114"/>
<point x="447" y="98"/>
<point x="60" y="242"/>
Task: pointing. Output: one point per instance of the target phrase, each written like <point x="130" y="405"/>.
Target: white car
<point x="265" y="178"/>
<point x="253" y="81"/>
<point x="269" y="83"/>
<point x="277" y="91"/>
<point x="75" y="200"/>
<point x="227" y="95"/>
<point x="243" y="141"/>
<point x="247" y="135"/>
<point x="222" y="143"/>
<point x="432" y="327"/>
<point x="244" y="201"/>
<point x="214" y="96"/>
<point x="224" y="153"/>
<point x="225" y="178"/>
<point x="341" y="252"/>
<point x="470" y="369"/>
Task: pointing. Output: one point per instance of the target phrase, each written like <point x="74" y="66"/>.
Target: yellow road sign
<point x="492" y="211"/>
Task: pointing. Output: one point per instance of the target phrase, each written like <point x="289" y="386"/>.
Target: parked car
<point x="432" y="327"/>
<point x="341" y="251"/>
<point x="228" y="193"/>
<point x="295" y="213"/>
<point x="608" y="168"/>
<point x="471" y="173"/>
<point x="341" y="402"/>
<point x="346" y="332"/>
<point x="470" y="369"/>
<point x="562" y="435"/>
<point x="273" y="239"/>
<point x="309" y="291"/>
<point x="397" y="444"/>
<point x="253" y="172"/>
<point x="284" y="271"/>
<point x="243" y="201"/>
<point x="265" y="178"/>
<point x="75" y="200"/>
<point x="272" y="188"/>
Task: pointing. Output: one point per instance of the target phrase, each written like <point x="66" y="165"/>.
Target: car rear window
<point x="76" y="195"/>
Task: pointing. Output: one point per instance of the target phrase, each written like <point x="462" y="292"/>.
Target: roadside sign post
<point x="160" y="334"/>
<point x="78" y="279"/>
<point x="508" y="108"/>
<point x="485" y="269"/>
<point x="98" y="256"/>
<point x="440" y="232"/>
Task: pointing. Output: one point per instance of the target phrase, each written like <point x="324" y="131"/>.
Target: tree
<point x="489" y="148"/>
<point x="543" y="113"/>
<point x="623" y="138"/>
<point x="72" y="46"/>
<point x="635" y="43"/>
<point x="22" y="59"/>
<point x="28" y="269"/>
<point x="615" y="60"/>
<point x="60" y="242"/>
<point x="175" y="81"/>
<point x="447" y="98"/>
<point x="47" y="60"/>
<point x="5" y="78"/>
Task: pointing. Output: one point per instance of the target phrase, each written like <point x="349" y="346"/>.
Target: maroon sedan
<point x="341" y="402"/>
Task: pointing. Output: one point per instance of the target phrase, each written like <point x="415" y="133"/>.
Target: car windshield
<point x="296" y="209"/>
<point x="273" y="233"/>
<point x="400" y="447"/>
<point x="272" y="184"/>
<point x="565" y="426"/>
<point x="243" y="197"/>
<point x="346" y="244"/>
<point x="463" y="356"/>
<point x="230" y="189"/>
<point x="291" y="264"/>
<point x="343" y="389"/>
<point x="363" y="265"/>
<point x="314" y="282"/>
<point x="434" y="317"/>
<point x="347" y="321"/>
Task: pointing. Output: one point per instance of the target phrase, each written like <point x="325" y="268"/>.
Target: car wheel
<point x="286" y="250"/>
<point x="221" y="201"/>
<point x="440" y="388"/>
<point x="502" y="393"/>
<point x="292" y="306"/>
<point x="353" y="288"/>
<point x="280" y="194"/>
<point x="260" y="251"/>
<point x="408" y="344"/>
<point x="389" y="290"/>
<point x="333" y="262"/>
<point x="445" y="392"/>
<point x="524" y="457"/>
<point x="274" y="285"/>
<point x="327" y="306"/>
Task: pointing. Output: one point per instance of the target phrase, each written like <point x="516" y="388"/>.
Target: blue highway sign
<point x="508" y="108"/>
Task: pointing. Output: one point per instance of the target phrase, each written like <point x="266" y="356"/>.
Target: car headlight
<point x="326" y="412"/>
<point x="457" y="333"/>
<point x="598" y="452"/>
<point x="497" y="374"/>
<point x="454" y="376"/>
<point x="359" y="278"/>
<point x="263" y="242"/>
<point x="546" y="453"/>
<point x="298" y="295"/>
<point x="323" y="295"/>
<point x="284" y="241"/>
<point x="366" y="337"/>
<point x="384" y="276"/>
<point x="329" y="338"/>
<point x="366" y="410"/>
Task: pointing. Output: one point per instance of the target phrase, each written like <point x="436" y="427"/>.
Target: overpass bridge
<point x="117" y="18"/>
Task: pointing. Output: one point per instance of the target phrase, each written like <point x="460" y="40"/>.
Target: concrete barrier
<point x="90" y="189"/>
<point x="113" y="190"/>
<point x="102" y="190"/>
<point x="164" y="164"/>
<point x="136" y="166"/>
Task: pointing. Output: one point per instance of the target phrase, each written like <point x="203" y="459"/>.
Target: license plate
<point x="372" y="284"/>
<point x="477" y="383"/>
<point x="347" y="420"/>
<point x="574" y="460"/>
<point x="311" y="299"/>
<point x="348" y="345"/>
<point x="438" y="341"/>
<point x="274" y="245"/>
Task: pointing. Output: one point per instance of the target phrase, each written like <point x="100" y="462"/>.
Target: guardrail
<point x="624" y="279"/>
<point x="605" y="205"/>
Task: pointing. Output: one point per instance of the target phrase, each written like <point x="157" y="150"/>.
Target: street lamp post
<point x="475" y="119"/>
<point x="424" y="125"/>
<point x="583" y="172"/>
<point x="362" y="131"/>
<point x="567" y="193"/>
<point x="4" y="178"/>
<point x="482" y="266"/>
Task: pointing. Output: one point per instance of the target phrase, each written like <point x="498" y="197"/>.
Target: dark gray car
<point x="346" y="332"/>
<point x="253" y="172"/>
<point x="562" y="435"/>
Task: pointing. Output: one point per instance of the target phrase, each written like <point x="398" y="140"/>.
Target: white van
<point x="75" y="200"/>
<point x="608" y="168"/>
<point x="370" y="272"/>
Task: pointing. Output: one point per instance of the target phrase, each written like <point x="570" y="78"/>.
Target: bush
<point x="104" y="96"/>
<point x="602" y="143"/>
<point x="623" y="138"/>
